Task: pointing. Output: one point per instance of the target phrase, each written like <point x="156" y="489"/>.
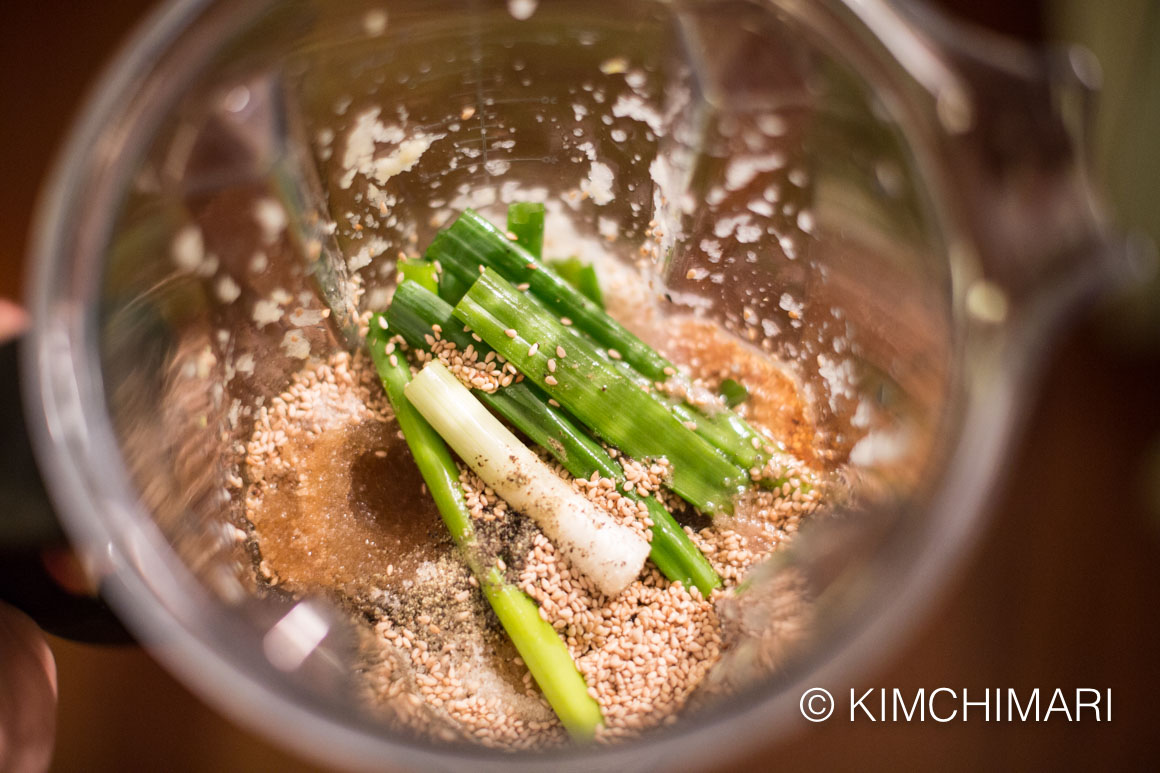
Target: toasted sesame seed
<point x="642" y="654"/>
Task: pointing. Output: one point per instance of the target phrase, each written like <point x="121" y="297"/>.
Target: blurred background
<point x="1063" y="591"/>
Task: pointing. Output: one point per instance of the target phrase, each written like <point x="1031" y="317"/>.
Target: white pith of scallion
<point x="610" y="554"/>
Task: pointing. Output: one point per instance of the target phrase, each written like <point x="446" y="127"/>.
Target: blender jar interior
<point x="728" y="148"/>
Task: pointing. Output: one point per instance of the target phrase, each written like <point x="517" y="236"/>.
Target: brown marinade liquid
<point x="355" y="516"/>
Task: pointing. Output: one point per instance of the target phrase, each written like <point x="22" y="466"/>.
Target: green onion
<point x="722" y="429"/>
<point x="421" y="271"/>
<point x="526" y="221"/>
<point x="471" y="242"/>
<point x="580" y="275"/>
<point x="734" y="392"/>
<point x="591" y="389"/>
<point x="412" y="313"/>
<point x="546" y="656"/>
<point x="727" y="432"/>
<point x="431" y="455"/>
<point x="541" y="648"/>
<point x="452" y="286"/>
<point x="608" y="553"/>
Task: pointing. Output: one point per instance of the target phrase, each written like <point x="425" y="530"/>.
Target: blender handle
<point x="30" y="534"/>
<point x="1012" y="123"/>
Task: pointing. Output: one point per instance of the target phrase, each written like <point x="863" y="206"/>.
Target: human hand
<point x="27" y="694"/>
<point x="27" y="669"/>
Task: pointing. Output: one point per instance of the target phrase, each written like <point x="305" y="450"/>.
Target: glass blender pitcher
<point x="897" y="208"/>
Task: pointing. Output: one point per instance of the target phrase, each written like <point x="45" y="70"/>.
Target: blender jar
<point x="894" y="208"/>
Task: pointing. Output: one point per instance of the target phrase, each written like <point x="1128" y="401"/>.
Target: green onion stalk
<point x="543" y="651"/>
<point x="593" y="390"/>
<point x="525" y="221"/>
<point x="471" y="242"/>
<point x="412" y="314"/>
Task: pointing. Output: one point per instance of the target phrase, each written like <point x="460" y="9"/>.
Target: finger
<point x="27" y="694"/>
<point x="13" y="320"/>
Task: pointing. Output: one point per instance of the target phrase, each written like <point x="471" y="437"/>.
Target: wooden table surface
<point x="1064" y="590"/>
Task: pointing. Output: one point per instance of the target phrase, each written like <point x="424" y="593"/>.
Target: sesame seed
<point x="643" y="654"/>
<point x="566" y="321"/>
<point x="533" y="349"/>
<point x="550" y="380"/>
<point x="560" y="352"/>
<point x="510" y="332"/>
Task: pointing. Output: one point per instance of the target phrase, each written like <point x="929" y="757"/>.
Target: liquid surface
<point x="335" y="500"/>
<point x="353" y="517"/>
<point x="774" y="402"/>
